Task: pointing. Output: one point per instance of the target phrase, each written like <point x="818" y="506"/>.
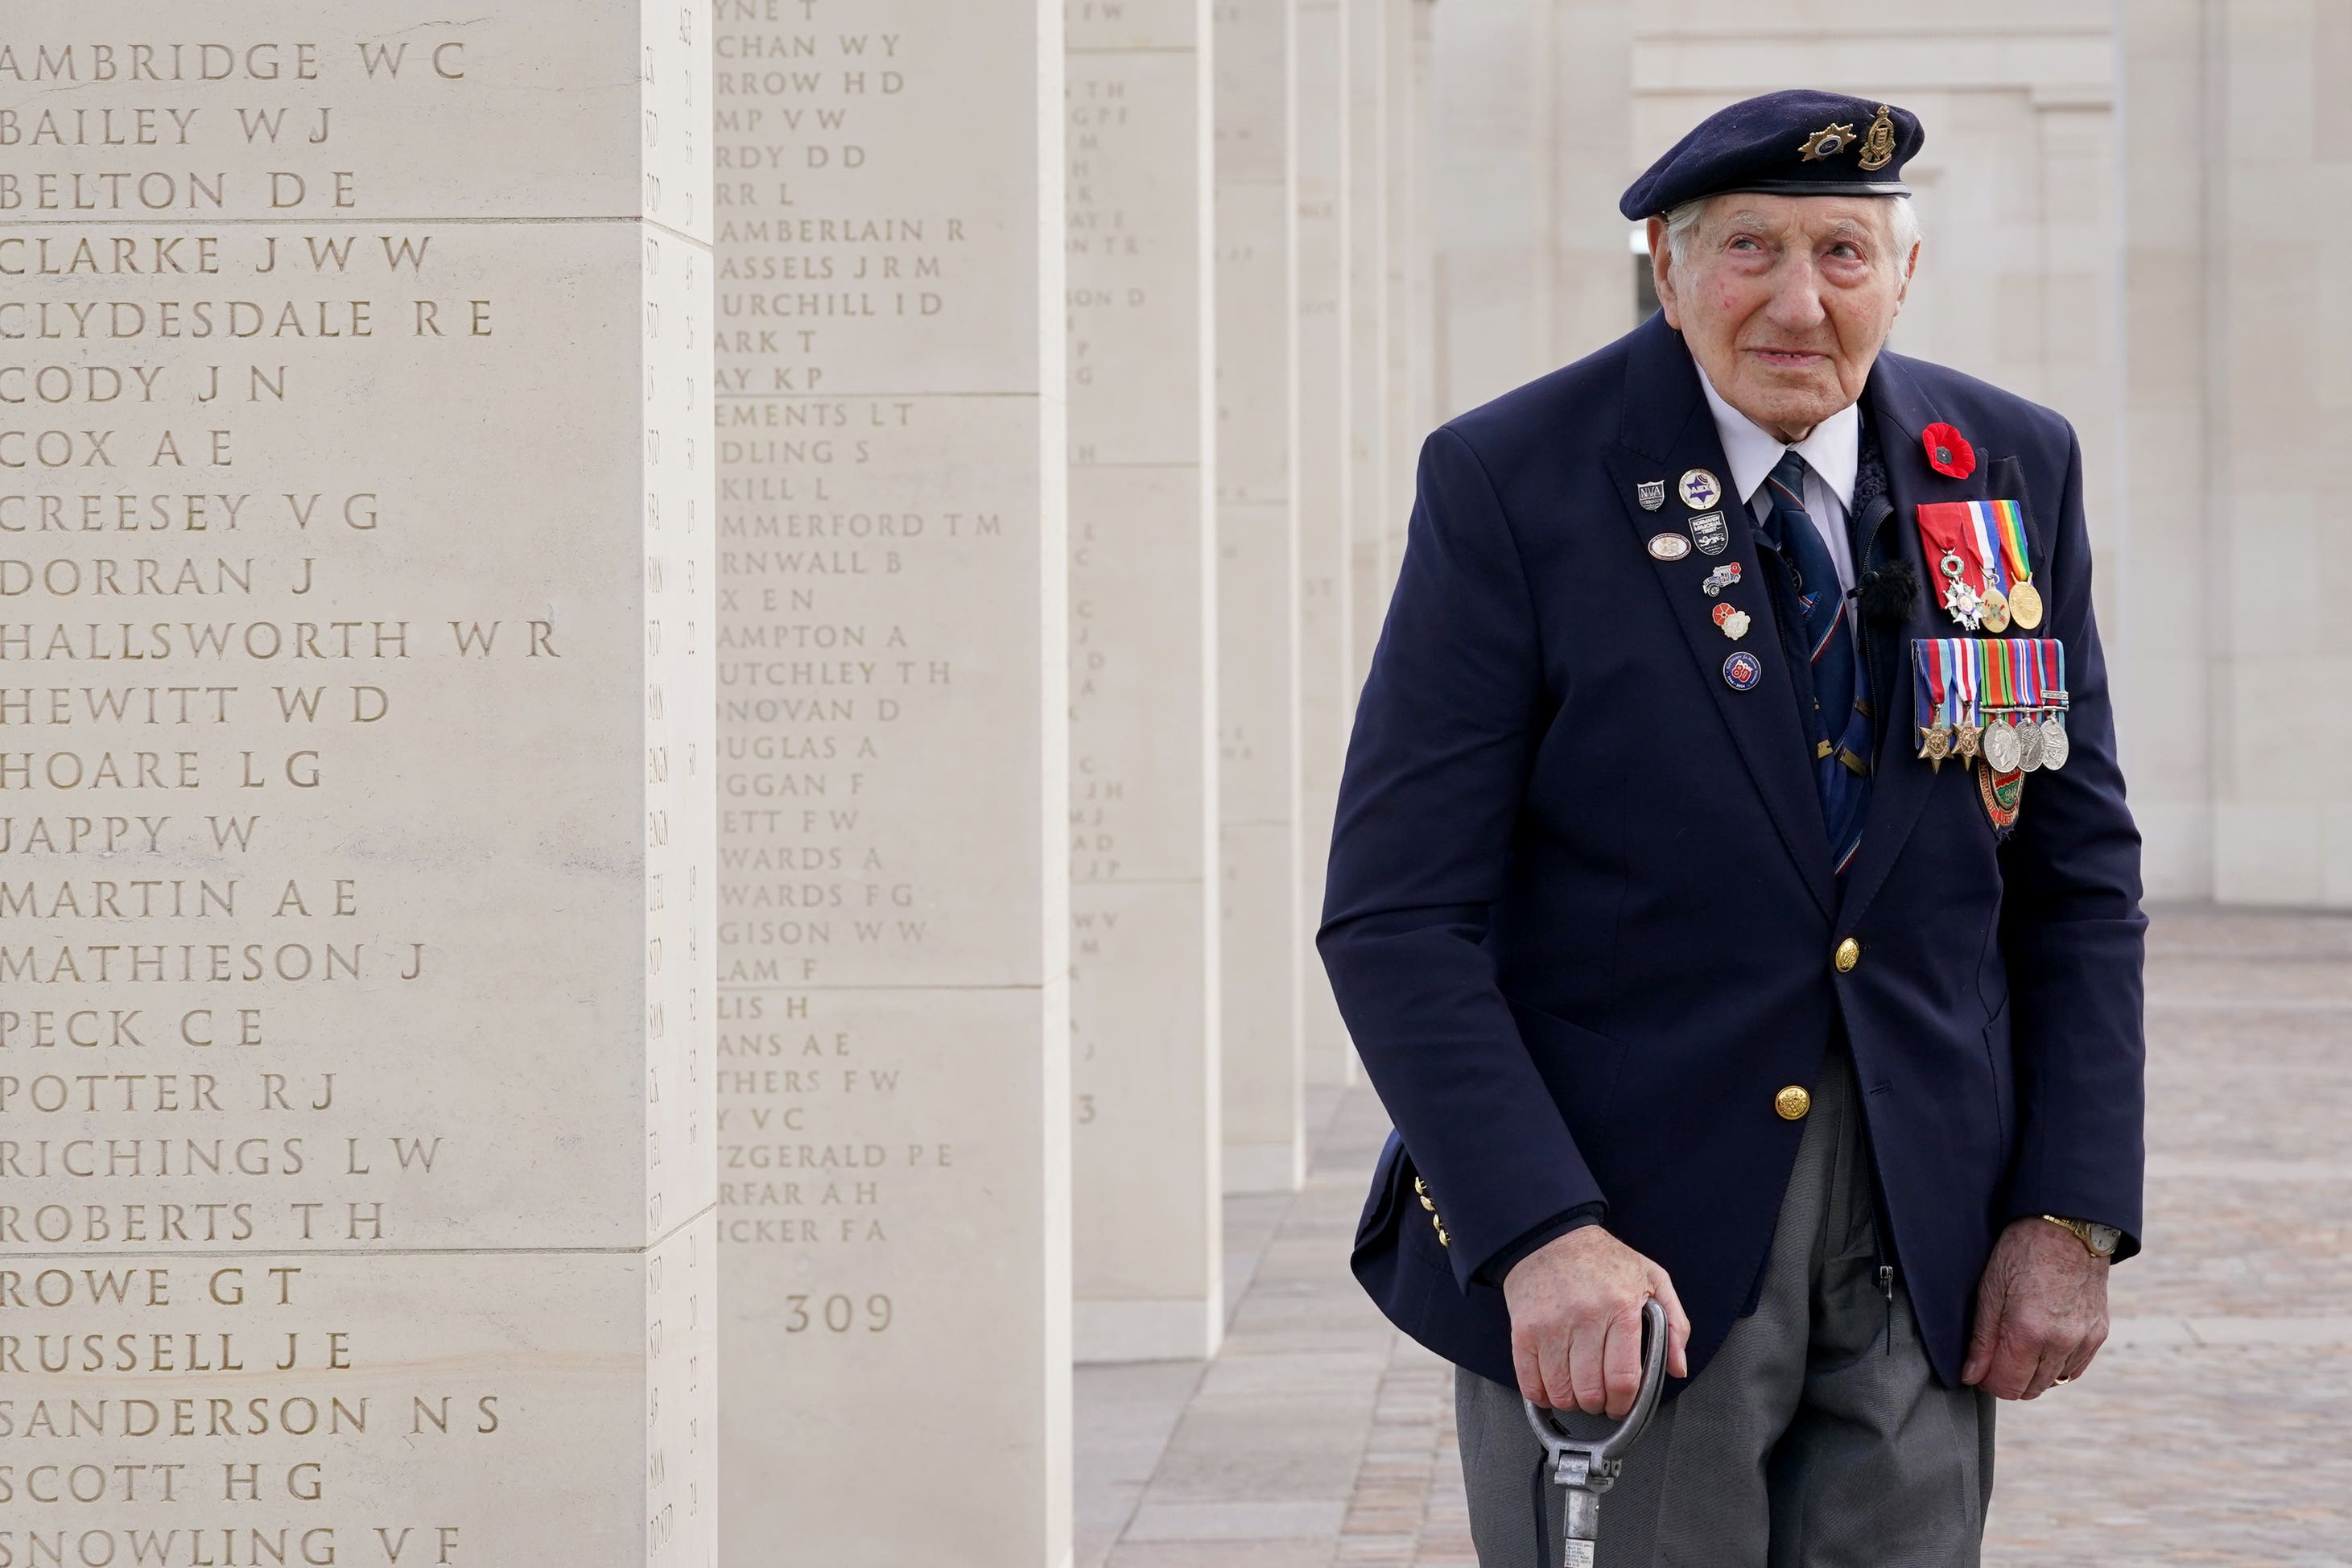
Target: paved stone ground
<point x="2216" y="1428"/>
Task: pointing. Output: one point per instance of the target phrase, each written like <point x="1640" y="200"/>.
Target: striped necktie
<point x="1806" y="598"/>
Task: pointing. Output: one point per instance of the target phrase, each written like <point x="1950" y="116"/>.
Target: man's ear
<point x="1662" y="278"/>
<point x="1910" y="265"/>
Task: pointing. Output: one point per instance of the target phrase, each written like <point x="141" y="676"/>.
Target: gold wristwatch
<point x="2100" y="1238"/>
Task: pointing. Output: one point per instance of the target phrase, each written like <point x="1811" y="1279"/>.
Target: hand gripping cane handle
<point x="1584" y="1468"/>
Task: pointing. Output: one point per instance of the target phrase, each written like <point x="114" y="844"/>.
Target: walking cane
<point x="1584" y="1468"/>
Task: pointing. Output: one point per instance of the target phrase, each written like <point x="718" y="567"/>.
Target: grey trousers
<point x="1816" y="1436"/>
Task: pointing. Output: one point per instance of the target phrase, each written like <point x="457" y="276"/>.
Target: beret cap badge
<point x="1878" y="144"/>
<point x="1826" y="142"/>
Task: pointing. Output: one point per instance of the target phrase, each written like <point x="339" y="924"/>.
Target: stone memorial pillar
<point x="1144" y="1008"/>
<point x="893" y="1067"/>
<point x="1371" y="29"/>
<point x="1258" y="598"/>
<point x="1406" y="143"/>
<point x="2157" y="647"/>
<point x="355" y="752"/>
<point x="1326" y="691"/>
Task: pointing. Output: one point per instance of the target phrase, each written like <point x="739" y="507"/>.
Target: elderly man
<point x="1733" y="897"/>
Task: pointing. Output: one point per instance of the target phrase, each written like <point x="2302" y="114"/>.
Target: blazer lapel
<point x="1666" y="432"/>
<point x="1900" y="779"/>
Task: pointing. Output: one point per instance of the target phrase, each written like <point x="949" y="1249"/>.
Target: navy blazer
<point x="1580" y="912"/>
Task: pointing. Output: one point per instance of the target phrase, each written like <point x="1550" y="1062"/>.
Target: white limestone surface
<point x="355" y="632"/>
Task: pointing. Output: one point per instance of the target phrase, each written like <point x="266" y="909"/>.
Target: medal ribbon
<point x="2053" y="654"/>
<point x="2009" y="527"/>
<point x="1948" y="526"/>
<point x="1964" y="673"/>
<point x="1924" y="653"/>
<point x="1985" y="530"/>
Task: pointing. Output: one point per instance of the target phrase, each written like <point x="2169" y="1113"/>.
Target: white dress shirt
<point x="1832" y="450"/>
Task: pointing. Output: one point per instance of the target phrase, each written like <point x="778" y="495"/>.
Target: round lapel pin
<point x="1700" y="489"/>
<point x="1742" y="670"/>
<point x="1669" y="546"/>
<point x="1734" y="622"/>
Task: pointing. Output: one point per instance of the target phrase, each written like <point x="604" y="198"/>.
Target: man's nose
<point x="1797" y="301"/>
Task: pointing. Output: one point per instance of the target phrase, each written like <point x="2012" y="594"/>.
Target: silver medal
<point x="2056" y="746"/>
<point x="2029" y="745"/>
<point x="2001" y="746"/>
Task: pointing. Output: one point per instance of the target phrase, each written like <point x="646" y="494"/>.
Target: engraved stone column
<point x="1371" y="29"/>
<point x="355" y="742"/>
<point x="1258" y="598"/>
<point x="894" y="1088"/>
<point x="1144" y="1007"/>
<point x="1327" y="690"/>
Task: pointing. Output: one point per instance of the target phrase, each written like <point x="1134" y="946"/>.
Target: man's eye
<point x="1848" y="251"/>
<point x="1744" y="243"/>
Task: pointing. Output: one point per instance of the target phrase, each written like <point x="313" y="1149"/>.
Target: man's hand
<point x="2041" y="1311"/>
<point x="1576" y="1322"/>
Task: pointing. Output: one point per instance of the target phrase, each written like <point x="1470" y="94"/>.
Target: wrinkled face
<point x="1785" y="301"/>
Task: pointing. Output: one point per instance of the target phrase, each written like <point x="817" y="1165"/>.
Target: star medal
<point x="1967" y="733"/>
<point x="2006" y="519"/>
<point x="1930" y="697"/>
<point x="1733" y="621"/>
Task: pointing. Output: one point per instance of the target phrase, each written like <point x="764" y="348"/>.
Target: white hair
<point x="1681" y="222"/>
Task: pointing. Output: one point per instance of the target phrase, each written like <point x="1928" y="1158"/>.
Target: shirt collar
<point x="1833" y="449"/>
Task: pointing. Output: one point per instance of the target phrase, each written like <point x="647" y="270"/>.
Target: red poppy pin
<point x="1948" y="452"/>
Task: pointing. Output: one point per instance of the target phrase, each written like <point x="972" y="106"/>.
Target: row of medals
<point x="2017" y="741"/>
<point x="1988" y="608"/>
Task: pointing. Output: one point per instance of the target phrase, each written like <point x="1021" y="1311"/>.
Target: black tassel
<point x="1888" y="593"/>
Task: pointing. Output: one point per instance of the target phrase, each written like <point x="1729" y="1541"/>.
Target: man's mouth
<point x="1791" y="359"/>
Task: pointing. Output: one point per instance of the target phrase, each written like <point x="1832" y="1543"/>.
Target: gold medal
<point x="2025" y="604"/>
<point x="1968" y="740"/>
<point x="1940" y="744"/>
<point x="1993" y="610"/>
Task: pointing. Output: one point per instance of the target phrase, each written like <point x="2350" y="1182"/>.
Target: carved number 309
<point x="838" y="1314"/>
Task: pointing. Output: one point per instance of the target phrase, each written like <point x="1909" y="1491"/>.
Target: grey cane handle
<point x="1588" y="1466"/>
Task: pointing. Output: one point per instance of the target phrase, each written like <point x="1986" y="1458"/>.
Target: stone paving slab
<point x="2216" y="1428"/>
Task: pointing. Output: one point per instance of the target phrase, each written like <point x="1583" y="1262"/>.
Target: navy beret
<point x="1794" y="144"/>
